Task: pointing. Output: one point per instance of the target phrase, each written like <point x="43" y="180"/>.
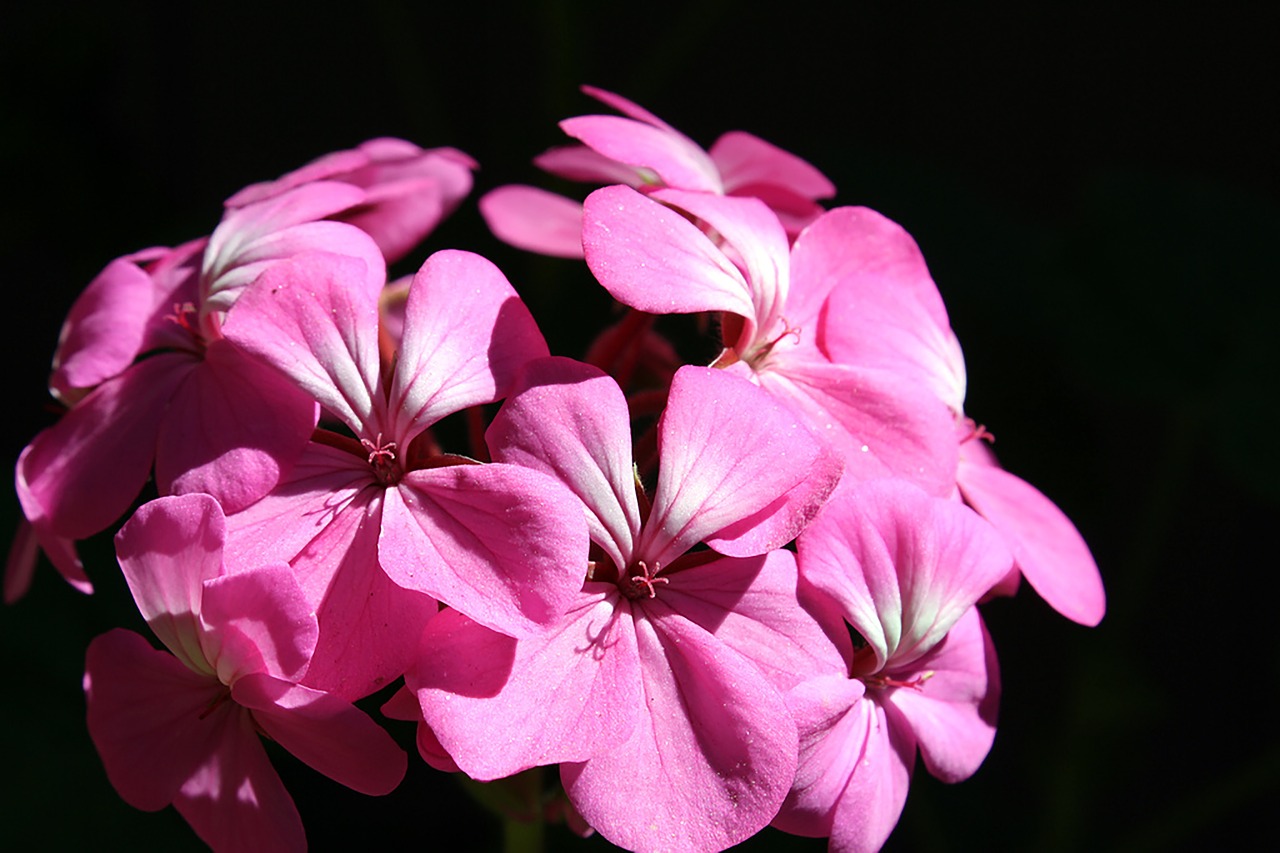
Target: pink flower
<point x="771" y="299"/>
<point x="887" y="313"/>
<point x="183" y="728"/>
<point x="379" y="526"/>
<point x="407" y="190"/>
<point x="152" y="380"/>
<point x="640" y="150"/>
<point x="904" y="570"/>
<point x="659" y="690"/>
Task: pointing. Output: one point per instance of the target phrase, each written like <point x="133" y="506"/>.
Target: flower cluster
<point x="718" y="596"/>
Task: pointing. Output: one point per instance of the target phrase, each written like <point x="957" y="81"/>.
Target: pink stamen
<point x="184" y="313"/>
<point x="978" y="431"/>
<point x="639" y="585"/>
<point x="382" y="457"/>
<point x="886" y="681"/>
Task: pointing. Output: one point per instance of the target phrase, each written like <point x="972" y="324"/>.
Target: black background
<point x="1096" y="194"/>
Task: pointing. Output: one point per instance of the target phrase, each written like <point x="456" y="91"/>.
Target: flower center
<point x="640" y="582"/>
<point x="884" y="681"/>
<point x="382" y="459"/>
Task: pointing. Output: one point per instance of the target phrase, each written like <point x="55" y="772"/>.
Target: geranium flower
<point x="658" y="691"/>
<point x="770" y="297"/>
<point x="640" y="150"/>
<point x="904" y="570"/>
<point x="182" y="727"/>
<point x="887" y="313"/>
<point x="379" y="526"/>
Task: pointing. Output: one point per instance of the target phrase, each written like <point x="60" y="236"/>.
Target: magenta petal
<point x="534" y="220"/>
<point x="236" y="801"/>
<point x="761" y="250"/>
<point x="728" y="451"/>
<point x="82" y="473"/>
<point x="676" y="160"/>
<point x="570" y="420"/>
<point x="261" y="621"/>
<point x="466" y="336"/>
<point x="953" y="711"/>
<point x="369" y="625"/>
<point x="885" y="311"/>
<point x="104" y="329"/>
<point x="328" y="734"/>
<point x="903" y="565"/>
<point x="232" y="429"/>
<point x="499" y="706"/>
<point x="505" y="545"/>
<point x="711" y="757"/>
<point x="20" y="564"/>
<point x="1047" y="547"/>
<point x="882" y="426"/>
<point x="750" y="605"/>
<point x="580" y="163"/>
<point x="872" y="801"/>
<point x="167" y="550"/>
<point x="310" y="319"/>
<point x="829" y="714"/>
<point x="743" y="159"/>
<point x="651" y="258"/>
<point x="145" y="717"/>
<point x="252" y="238"/>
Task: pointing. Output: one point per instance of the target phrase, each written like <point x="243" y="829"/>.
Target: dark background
<point x="1096" y="194"/>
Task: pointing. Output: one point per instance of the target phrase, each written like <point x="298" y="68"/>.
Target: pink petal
<point x="676" y="160"/>
<point x="570" y="420"/>
<point x="872" y="801"/>
<point x="310" y="319"/>
<point x="1048" y="549"/>
<point x="326" y="733"/>
<point x="580" y="163"/>
<point x="499" y="706"/>
<point x="829" y="711"/>
<point x="280" y="526"/>
<point x="728" y="451"/>
<point x="651" y="258"/>
<point x="252" y="238"/>
<point x="884" y="311"/>
<point x="761" y="249"/>
<point x="82" y="473"/>
<point x="261" y="622"/>
<point x="104" y="329"/>
<point x="534" y="220"/>
<point x="711" y="756"/>
<point x="466" y="335"/>
<point x="626" y="107"/>
<point x="147" y="717"/>
<point x="167" y="550"/>
<point x="743" y="159"/>
<point x="232" y="428"/>
<point x="20" y="565"/>
<point x="882" y="426"/>
<point x="953" y="711"/>
<point x="505" y="545"/>
<point x="903" y="565"/>
<point x="750" y="605"/>
<point x="369" y="625"/>
<point x="236" y="801"/>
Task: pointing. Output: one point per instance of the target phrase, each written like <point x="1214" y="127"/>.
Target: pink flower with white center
<point x="771" y="299"/>
<point x="658" y="692"/>
<point x="183" y="728"/>
<point x="151" y="380"/>
<point x="640" y="150"/>
<point x="887" y="313"/>
<point x="408" y="190"/>
<point x="377" y="526"/>
<point x="904" y="570"/>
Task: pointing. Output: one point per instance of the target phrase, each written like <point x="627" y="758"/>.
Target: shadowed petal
<point x="534" y="219"/>
<point x="330" y="735"/>
<point x="505" y="545"/>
